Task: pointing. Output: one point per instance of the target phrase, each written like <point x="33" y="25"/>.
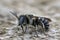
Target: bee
<point x="25" y="20"/>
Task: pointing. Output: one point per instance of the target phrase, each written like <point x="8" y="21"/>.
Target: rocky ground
<point x="45" y="8"/>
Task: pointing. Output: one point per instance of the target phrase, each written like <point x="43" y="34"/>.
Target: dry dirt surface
<point x="41" y="8"/>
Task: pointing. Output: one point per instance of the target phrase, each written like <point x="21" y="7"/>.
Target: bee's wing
<point x="49" y="20"/>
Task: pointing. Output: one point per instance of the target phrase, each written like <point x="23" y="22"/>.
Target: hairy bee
<point x="23" y="20"/>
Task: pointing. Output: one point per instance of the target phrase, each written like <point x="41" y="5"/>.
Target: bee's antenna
<point x="14" y="13"/>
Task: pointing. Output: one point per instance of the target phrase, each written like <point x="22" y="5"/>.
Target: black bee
<point x="24" y="20"/>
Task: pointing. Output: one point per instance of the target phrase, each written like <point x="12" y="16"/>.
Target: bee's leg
<point x="36" y="31"/>
<point x="43" y="30"/>
<point x="22" y="28"/>
<point x="26" y="29"/>
<point x="43" y="27"/>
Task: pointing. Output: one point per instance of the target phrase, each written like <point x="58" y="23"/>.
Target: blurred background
<point x="45" y="8"/>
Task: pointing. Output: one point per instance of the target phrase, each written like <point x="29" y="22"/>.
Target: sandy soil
<point x="45" y="8"/>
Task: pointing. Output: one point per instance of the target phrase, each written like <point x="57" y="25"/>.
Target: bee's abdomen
<point x="45" y="23"/>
